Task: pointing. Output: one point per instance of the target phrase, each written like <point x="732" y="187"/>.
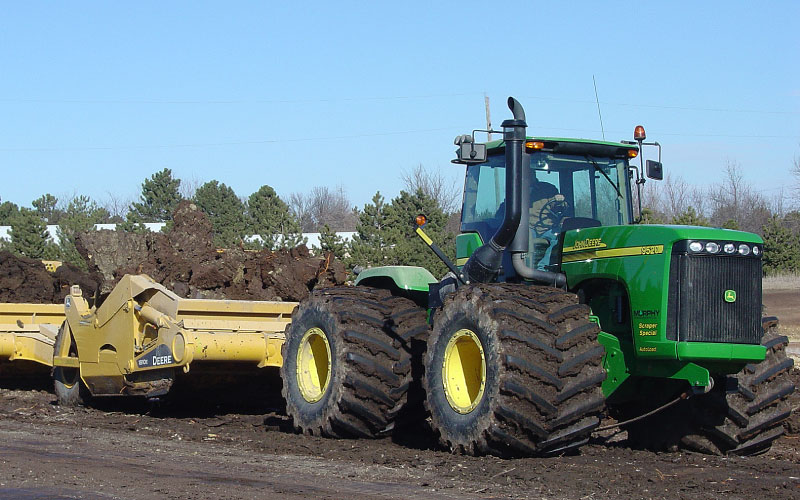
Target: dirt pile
<point x="185" y="260"/>
<point x="25" y="280"/>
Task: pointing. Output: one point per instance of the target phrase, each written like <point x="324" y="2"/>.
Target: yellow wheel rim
<point x="313" y="365"/>
<point x="464" y="371"/>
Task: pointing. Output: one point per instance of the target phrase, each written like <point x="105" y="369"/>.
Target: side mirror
<point x="469" y="152"/>
<point x="654" y="170"/>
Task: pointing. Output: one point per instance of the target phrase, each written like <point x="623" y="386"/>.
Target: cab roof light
<point x="534" y="145"/>
<point x="633" y="153"/>
<point x="638" y="133"/>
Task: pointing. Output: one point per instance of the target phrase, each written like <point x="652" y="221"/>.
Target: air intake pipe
<point x="486" y="261"/>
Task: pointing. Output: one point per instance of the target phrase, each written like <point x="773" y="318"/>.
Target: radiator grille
<point x="696" y="308"/>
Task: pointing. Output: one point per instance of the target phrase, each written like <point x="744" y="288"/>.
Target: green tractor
<point x="558" y="308"/>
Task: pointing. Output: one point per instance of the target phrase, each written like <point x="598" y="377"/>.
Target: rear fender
<point x="401" y="280"/>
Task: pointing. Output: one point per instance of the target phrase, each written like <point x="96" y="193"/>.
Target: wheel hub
<point x="313" y="365"/>
<point x="464" y="371"/>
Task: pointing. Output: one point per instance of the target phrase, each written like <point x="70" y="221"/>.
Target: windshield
<point x="593" y="190"/>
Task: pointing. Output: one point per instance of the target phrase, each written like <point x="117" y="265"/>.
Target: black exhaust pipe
<point x="485" y="263"/>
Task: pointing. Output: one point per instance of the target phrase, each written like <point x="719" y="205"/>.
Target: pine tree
<point x="272" y="221"/>
<point x="781" y="248"/>
<point x="160" y="195"/>
<point x="407" y="248"/>
<point x="730" y="224"/>
<point x="370" y="246"/>
<point x="329" y="241"/>
<point x="649" y="216"/>
<point x="80" y="216"/>
<point x="29" y="236"/>
<point x="45" y="207"/>
<point x="8" y="211"/>
<point x="690" y="217"/>
<point x="225" y="211"/>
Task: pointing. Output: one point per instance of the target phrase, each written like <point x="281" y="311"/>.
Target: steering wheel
<point x="550" y="214"/>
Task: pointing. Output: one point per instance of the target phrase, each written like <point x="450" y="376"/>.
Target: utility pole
<point x="488" y="115"/>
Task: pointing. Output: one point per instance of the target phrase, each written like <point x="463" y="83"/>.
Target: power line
<point x="231" y="143"/>
<point x="359" y="136"/>
<point x="656" y="133"/>
<point x="381" y="98"/>
<point x="661" y="106"/>
<point x="234" y="101"/>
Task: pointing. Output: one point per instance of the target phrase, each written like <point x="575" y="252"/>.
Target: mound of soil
<point x="24" y="280"/>
<point x="185" y="260"/>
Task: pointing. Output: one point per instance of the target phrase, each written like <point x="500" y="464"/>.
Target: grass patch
<point x="789" y="281"/>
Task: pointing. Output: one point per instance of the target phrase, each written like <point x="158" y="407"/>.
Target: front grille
<point x="696" y="307"/>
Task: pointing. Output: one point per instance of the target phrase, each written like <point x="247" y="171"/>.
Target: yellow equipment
<point x="52" y="265"/>
<point x="28" y="332"/>
<point x="134" y="343"/>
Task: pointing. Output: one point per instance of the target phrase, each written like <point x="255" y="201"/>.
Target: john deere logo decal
<point x="730" y="295"/>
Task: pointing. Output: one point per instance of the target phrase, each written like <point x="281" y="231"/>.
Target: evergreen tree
<point x="781" y="248"/>
<point x="160" y="195"/>
<point x="272" y="220"/>
<point x="8" y="211"/>
<point x="80" y="216"/>
<point x="649" y="216"/>
<point x="45" y="207"/>
<point x="29" y="236"/>
<point x="730" y="224"/>
<point x="385" y="233"/>
<point x="690" y="217"/>
<point x="225" y="211"/>
<point x="329" y="241"/>
<point x="370" y="246"/>
<point x="407" y="248"/>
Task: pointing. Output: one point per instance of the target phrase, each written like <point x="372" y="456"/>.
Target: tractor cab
<point x="567" y="184"/>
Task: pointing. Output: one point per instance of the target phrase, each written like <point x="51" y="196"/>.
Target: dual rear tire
<point x="347" y="367"/>
<point x="510" y="370"/>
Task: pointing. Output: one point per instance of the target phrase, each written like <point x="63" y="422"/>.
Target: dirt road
<point x="124" y="449"/>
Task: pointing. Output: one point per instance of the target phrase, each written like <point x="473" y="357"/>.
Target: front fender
<point x="410" y="278"/>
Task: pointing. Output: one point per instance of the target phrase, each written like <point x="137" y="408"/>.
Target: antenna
<point x="597" y="100"/>
<point x="488" y="115"/>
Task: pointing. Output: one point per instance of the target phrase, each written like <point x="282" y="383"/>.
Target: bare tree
<point x="735" y="204"/>
<point x="435" y="185"/>
<point x="299" y="205"/>
<point x="651" y="196"/>
<point x="117" y="206"/>
<point x="675" y="196"/>
<point x="188" y="187"/>
<point x="796" y="174"/>
<point x="323" y="206"/>
<point x="777" y="203"/>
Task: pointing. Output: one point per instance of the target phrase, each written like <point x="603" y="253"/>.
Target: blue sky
<point x="97" y="96"/>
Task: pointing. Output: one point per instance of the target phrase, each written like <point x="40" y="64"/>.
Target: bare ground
<point x="785" y="304"/>
<point x="205" y="445"/>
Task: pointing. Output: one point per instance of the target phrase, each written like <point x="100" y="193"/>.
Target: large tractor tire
<point x="753" y="412"/>
<point x="514" y="370"/>
<point x="742" y="415"/>
<point x="345" y="370"/>
<point x="69" y="388"/>
<point x="409" y="324"/>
